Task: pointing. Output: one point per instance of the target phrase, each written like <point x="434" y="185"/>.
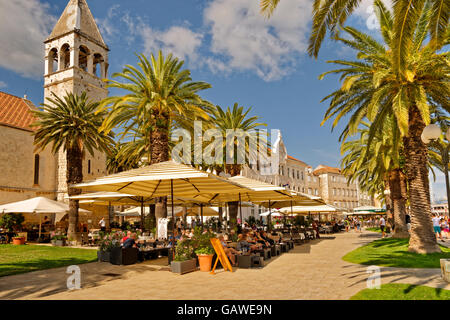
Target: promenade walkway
<point x="310" y="271"/>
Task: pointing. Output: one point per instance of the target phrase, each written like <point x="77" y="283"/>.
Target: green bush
<point x="12" y="221"/>
<point x="201" y="241"/>
<point x="183" y="250"/>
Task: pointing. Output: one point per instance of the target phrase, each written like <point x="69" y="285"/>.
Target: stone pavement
<point x="310" y="271"/>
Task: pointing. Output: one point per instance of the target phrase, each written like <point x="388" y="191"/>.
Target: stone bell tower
<point x="76" y="61"/>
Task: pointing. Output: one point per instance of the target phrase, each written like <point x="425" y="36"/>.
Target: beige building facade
<point x="76" y="61"/>
<point x="335" y="189"/>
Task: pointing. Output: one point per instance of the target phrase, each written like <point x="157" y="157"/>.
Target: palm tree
<point x="373" y="89"/>
<point x="237" y="120"/>
<point x="330" y="15"/>
<point x="160" y="93"/>
<point x="377" y="166"/>
<point x="72" y="123"/>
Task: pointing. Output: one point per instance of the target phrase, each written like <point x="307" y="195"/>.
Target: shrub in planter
<point x="107" y="243"/>
<point x="205" y="256"/>
<point x="203" y="248"/>
<point x="59" y="240"/>
<point x="17" y="241"/>
<point x="183" y="261"/>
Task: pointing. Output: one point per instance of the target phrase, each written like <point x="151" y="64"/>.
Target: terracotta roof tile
<point x="326" y="169"/>
<point x="292" y="158"/>
<point x="16" y="112"/>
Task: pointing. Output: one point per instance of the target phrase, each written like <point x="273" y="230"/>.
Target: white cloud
<point x="242" y="39"/>
<point x="180" y="41"/>
<point x="3" y="85"/>
<point x="24" y="26"/>
<point x="366" y="13"/>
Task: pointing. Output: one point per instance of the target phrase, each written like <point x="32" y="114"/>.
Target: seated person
<point x="129" y="233"/>
<point x="233" y="236"/>
<point x="230" y="252"/>
<point x="130" y="242"/>
<point x="260" y="240"/>
<point x="243" y="245"/>
<point x="267" y="239"/>
<point x="252" y="239"/>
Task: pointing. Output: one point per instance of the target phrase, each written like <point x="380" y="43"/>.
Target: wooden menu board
<point x="221" y="255"/>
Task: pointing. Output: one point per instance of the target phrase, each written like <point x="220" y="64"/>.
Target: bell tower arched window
<point x="83" y="58"/>
<point x="64" y="57"/>
<point x="99" y="63"/>
<point x="53" y="60"/>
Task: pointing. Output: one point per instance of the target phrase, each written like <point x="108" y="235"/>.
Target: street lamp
<point x="430" y="136"/>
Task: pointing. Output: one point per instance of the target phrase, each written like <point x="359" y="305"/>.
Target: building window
<point x="89" y="166"/>
<point x="36" y="169"/>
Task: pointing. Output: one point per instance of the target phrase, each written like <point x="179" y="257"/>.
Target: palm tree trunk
<point x="399" y="205"/>
<point x="220" y="218"/>
<point x="160" y="153"/>
<point x="233" y="206"/>
<point x="74" y="175"/>
<point x="422" y="238"/>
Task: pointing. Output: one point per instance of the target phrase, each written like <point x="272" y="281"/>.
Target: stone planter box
<point x="445" y="269"/>
<point x="182" y="267"/>
<point x="103" y="256"/>
<point x="58" y="243"/>
<point x="124" y="256"/>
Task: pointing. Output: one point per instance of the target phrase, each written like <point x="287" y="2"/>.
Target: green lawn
<point x="396" y="291"/>
<point x="377" y="229"/>
<point x="394" y="253"/>
<point x="26" y="258"/>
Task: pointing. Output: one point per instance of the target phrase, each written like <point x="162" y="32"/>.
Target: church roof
<point x="15" y="112"/>
<point x="326" y="169"/>
<point x="77" y="17"/>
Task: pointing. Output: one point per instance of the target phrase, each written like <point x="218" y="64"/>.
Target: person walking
<point x="383" y="227"/>
<point x="445" y="226"/>
<point x="102" y="225"/>
<point x="408" y="222"/>
<point x="437" y="226"/>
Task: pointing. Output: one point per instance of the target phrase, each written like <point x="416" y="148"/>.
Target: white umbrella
<point x="136" y="212"/>
<point x="38" y="205"/>
<point x="163" y="179"/>
<point x="310" y="209"/>
<point x="368" y="208"/>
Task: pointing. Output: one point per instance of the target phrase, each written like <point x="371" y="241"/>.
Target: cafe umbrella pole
<point x="171" y="251"/>
<point x="201" y="214"/>
<point x="269" y="220"/>
<point x="240" y="209"/>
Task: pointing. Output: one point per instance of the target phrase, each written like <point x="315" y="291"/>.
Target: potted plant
<point x="183" y="261"/>
<point x="17" y="241"/>
<point x="59" y="240"/>
<point x="13" y="222"/>
<point x="106" y="244"/>
<point x="203" y="249"/>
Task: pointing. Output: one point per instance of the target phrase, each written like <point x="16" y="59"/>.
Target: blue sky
<point x="256" y="62"/>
